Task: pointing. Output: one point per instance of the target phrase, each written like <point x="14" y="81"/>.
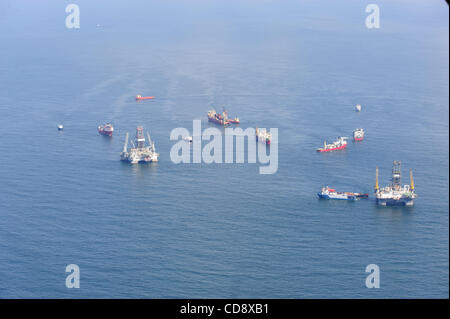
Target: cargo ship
<point x="221" y="118"/>
<point x="106" y="129"/>
<point x="395" y="194"/>
<point x="217" y="118"/>
<point x="331" y="193"/>
<point x="263" y="136"/>
<point x="140" y="97"/>
<point x="339" y="144"/>
<point x="358" y="135"/>
<point x="139" y="151"/>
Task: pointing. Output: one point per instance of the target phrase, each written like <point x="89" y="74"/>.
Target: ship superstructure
<point x="263" y="136"/>
<point x="139" y="151"/>
<point x="395" y="194"/>
<point x="222" y="118"/>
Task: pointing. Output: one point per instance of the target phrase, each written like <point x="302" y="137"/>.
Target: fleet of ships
<point x="392" y="195"/>
<point x="395" y="194"/>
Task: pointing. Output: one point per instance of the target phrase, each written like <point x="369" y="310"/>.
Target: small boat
<point x="358" y="107"/>
<point x="106" y="129"/>
<point x="60" y="127"/>
<point x="339" y="144"/>
<point x="188" y="138"/>
<point x="140" y="97"/>
<point x="358" y="135"/>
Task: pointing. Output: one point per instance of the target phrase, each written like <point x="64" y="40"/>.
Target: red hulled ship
<point x="358" y="134"/>
<point x="140" y="97"/>
<point x="339" y="144"/>
<point x="106" y="129"/>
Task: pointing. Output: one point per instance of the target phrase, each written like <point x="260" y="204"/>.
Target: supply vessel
<point x="358" y="135"/>
<point x="331" y="193"/>
<point x="339" y="144"/>
<point x="139" y="151"/>
<point x="106" y="129"/>
<point x="395" y="194"/>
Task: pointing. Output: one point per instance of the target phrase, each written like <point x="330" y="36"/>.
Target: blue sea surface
<point x="169" y="230"/>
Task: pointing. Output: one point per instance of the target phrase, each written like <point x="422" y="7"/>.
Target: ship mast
<point x="396" y="174"/>
<point x="149" y="139"/>
<point x="140" y="138"/>
<point x="377" y="187"/>
<point x="150" y="142"/>
<point x="125" y="145"/>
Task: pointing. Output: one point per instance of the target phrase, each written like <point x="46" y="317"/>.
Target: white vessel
<point x="358" y="107"/>
<point x="395" y="194"/>
<point x="139" y="152"/>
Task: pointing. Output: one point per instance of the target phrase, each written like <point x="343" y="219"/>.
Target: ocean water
<point x="222" y="230"/>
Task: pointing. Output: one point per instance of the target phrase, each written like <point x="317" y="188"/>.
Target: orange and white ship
<point x="140" y="97"/>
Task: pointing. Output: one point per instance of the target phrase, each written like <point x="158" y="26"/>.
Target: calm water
<point x="219" y="230"/>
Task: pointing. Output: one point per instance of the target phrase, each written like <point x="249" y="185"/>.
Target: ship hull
<point x="137" y="161"/>
<point x="358" y="139"/>
<point x="394" y="202"/>
<point x="105" y="133"/>
<point x="336" y="197"/>
<point x="220" y="122"/>
<point x="145" y="98"/>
